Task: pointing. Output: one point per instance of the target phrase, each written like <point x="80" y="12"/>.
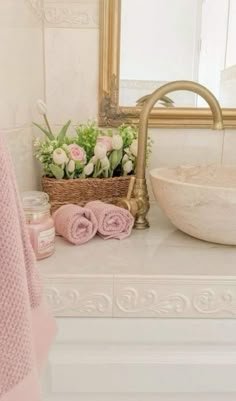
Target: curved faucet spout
<point x="157" y="95"/>
<point x="140" y="203"/>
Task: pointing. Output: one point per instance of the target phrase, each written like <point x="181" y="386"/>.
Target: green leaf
<point x="106" y="173"/>
<point x="47" y="133"/>
<point x="57" y="171"/>
<point x="78" y="165"/>
<point x="87" y="137"/>
<point x="62" y="133"/>
<point x="115" y="158"/>
<point x="98" y="173"/>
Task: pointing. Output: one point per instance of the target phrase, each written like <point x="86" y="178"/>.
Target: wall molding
<point x="88" y="296"/>
<point x="67" y="13"/>
<point x="142" y="296"/>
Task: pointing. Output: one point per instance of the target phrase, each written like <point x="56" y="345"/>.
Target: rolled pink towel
<point x="113" y="221"/>
<point x="75" y="223"/>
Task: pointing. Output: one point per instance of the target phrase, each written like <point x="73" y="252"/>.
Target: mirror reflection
<point x="166" y="40"/>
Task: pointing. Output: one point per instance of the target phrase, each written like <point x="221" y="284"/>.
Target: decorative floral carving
<point x="70" y="300"/>
<point x="65" y="15"/>
<point x="110" y="114"/>
<point x="131" y="300"/>
<point x="75" y="14"/>
<point x="37" y="7"/>
<point x="144" y="301"/>
<point x="208" y="301"/>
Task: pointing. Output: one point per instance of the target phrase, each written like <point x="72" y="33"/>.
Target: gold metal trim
<point x="111" y="113"/>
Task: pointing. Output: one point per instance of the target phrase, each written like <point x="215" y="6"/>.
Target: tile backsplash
<point x="50" y="50"/>
<point x="21" y="83"/>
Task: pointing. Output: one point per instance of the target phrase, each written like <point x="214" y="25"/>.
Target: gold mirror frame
<point x="111" y="114"/>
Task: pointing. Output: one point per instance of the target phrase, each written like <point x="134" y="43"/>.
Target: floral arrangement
<point x="90" y="153"/>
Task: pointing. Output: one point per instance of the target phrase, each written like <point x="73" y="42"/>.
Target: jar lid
<point x="35" y="201"/>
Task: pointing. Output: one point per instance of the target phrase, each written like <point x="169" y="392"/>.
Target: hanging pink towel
<point x="113" y="221"/>
<point x="26" y="325"/>
<point x="75" y="223"/>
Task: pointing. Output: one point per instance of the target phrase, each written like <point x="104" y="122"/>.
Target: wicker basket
<point x="80" y="191"/>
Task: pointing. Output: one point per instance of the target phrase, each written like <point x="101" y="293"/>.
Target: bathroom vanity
<point x="148" y="318"/>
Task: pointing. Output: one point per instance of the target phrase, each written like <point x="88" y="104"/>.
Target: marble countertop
<point x="159" y="272"/>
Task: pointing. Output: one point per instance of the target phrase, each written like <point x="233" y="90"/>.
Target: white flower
<point x="42" y="107"/>
<point x="65" y="147"/>
<point x="88" y="169"/>
<point x="100" y="151"/>
<point x="94" y="160"/>
<point x="117" y="142"/>
<point x="59" y="156"/>
<point x="105" y="163"/>
<point x="125" y="158"/>
<point x="71" y="166"/>
<point x="128" y="167"/>
<point x="134" y="147"/>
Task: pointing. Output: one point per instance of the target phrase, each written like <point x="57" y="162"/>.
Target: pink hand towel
<point x="26" y="325"/>
<point x="77" y="224"/>
<point x="113" y="221"/>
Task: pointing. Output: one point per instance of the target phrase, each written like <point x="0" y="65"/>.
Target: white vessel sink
<point x="200" y="201"/>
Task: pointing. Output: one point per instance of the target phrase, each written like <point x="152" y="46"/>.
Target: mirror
<point x="168" y="40"/>
<point x="147" y="43"/>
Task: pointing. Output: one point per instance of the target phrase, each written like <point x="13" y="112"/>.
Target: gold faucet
<point x="137" y="201"/>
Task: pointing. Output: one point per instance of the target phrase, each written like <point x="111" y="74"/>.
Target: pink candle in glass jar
<point x="39" y="223"/>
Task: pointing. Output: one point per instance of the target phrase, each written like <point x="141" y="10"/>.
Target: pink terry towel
<point x="26" y="325"/>
<point x="75" y="223"/>
<point x="113" y="221"/>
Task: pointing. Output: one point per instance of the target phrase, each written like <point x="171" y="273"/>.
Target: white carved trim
<point x="214" y="301"/>
<point x="66" y="13"/>
<point x="80" y="296"/>
<point x="172" y="297"/>
<point x="131" y="300"/>
<point x="142" y="296"/>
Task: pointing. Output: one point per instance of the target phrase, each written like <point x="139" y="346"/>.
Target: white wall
<point x="164" y="40"/>
<point x="21" y="82"/>
<point x="218" y="50"/>
<point x="167" y="33"/>
<point x="71" y="59"/>
<point x="231" y="48"/>
<point x="213" y="44"/>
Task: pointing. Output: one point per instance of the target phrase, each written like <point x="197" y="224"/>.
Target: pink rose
<point x="106" y="141"/>
<point x="77" y="153"/>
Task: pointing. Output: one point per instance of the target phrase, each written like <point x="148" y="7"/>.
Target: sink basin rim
<point x="156" y="174"/>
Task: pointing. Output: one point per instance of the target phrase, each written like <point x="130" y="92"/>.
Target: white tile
<point x="21" y="63"/>
<point x="72" y="74"/>
<point x="174" y="147"/>
<point x="19" y="141"/>
<point x="229" y="155"/>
